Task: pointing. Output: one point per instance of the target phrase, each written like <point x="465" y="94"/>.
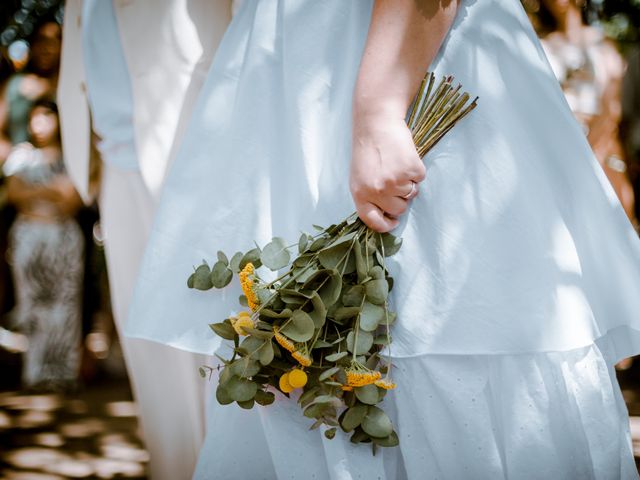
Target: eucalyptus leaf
<point x="299" y="327"/>
<point x="371" y="316"/>
<point x="377" y="291"/>
<point x="221" y="275"/>
<point x="390" y="441"/>
<point x="317" y="244"/>
<point x="242" y="300"/>
<point x="360" y="345"/>
<point x="241" y="389"/>
<point x="261" y="334"/>
<point x="264" y="398"/>
<point x="264" y="295"/>
<point x="223" y="330"/>
<point x="335" y="256"/>
<point x="330" y="291"/>
<point x="376" y="272"/>
<point x="244" y="367"/>
<point x="382" y="340"/>
<point x="359" y="436"/>
<point x="252" y="256"/>
<point x="376" y="423"/>
<point x="225" y="376"/>
<point x="391" y="244"/>
<point x="250" y="346"/>
<point x="307" y="397"/>
<point x="234" y="264"/>
<point x="303" y="260"/>
<point x="361" y="266"/>
<point x="343" y="313"/>
<point x="319" y="312"/>
<point x="292" y="297"/>
<point x="286" y="313"/>
<point x="266" y="353"/>
<point x="333" y="384"/>
<point x="353" y="297"/>
<point x="315" y="410"/>
<point x="191" y="280"/>
<point x="303" y="242"/>
<point x="327" y="400"/>
<point x="334" y="357"/>
<point x="353" y="417"/>
<point x="303" y="274"/>
<point x="328" y="373"/>
<point x="330" y="433"/>
<point x="248" y="405"/>
<point x="367" y="394"/>
<point x="222" y="396"/>
<point x="275" y="254"/>
<point x="223" y="258"/>
<point x="201" y="278"/>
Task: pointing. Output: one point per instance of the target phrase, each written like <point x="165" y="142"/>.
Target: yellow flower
<point x="243" y="320"/>
<point x="358" y="375"/>
<point x="386" y="384"/>
<point x="247" y="282"/>
<point x="283" y="341"/>
<point x="297" y="378"/>
<point x="302" y="358"/>
<point x="284" y="384"/>
<point x="347" y="388"/>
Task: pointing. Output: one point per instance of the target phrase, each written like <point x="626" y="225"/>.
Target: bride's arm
<point x="404" y="37"/>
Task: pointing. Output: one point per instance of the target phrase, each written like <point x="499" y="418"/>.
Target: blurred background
<point x="66" y="409"/>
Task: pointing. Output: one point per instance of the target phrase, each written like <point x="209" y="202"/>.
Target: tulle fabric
<point x="532" y="416"/>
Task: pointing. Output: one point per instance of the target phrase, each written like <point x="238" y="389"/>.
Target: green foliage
<point x="326" y="317"/>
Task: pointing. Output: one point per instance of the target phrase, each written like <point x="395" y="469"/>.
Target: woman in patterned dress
<point x="46" y="253"/>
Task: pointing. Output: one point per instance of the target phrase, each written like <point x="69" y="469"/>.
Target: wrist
<point x="375" y="106"/>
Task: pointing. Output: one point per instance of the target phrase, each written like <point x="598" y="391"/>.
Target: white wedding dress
<point x="515" y="285"/>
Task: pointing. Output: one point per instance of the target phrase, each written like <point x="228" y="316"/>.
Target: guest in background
<point x="46" y="253"/>
<point x="590" y="70"/>
<point x="40" y="79"/>
<point x="631" y="115"/>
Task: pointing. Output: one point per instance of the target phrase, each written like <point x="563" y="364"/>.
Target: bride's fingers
<point x="393" y="206"/>
<point x="374" y="218"/>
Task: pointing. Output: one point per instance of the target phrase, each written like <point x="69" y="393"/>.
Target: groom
<point x="130" y="73"/>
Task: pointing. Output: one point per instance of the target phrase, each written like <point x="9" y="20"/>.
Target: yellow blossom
<point x="243" y="321"/>
<point x="247" y="283"/>
<point x="358" y="375"/>
<point x="384" y="383"/>
<point x="302" y="358"/>
<point x="297" y="378"/>
<point x="283" y="341"/>
<point x="284" y="384"/>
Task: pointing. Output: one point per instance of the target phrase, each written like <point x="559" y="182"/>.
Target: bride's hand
<point x="385" y="169"/>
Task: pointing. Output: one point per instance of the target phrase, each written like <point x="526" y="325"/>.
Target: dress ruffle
<point x="557" y="415"/>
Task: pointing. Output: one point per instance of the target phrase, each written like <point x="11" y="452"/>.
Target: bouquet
<point x="319" y="327"/>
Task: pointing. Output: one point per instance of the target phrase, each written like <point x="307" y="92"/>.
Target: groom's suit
<point x="164" y="51"/>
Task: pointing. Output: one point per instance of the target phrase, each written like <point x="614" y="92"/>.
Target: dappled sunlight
<point x="91" y="434"/>
<point x="49" y="439"/>
<point x="87" y="427"/>
<point x="121" y="409"/>
<point x="33" y="419"/>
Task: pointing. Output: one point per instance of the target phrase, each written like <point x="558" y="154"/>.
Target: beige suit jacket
<point x="168" y="46"/>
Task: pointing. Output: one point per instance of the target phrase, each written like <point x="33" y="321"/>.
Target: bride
<point x="515" y="284"/>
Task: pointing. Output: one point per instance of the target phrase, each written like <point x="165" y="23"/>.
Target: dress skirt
<point x="515" y="285"/>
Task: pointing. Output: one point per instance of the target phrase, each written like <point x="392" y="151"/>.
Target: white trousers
<point x="165" y="381"/>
